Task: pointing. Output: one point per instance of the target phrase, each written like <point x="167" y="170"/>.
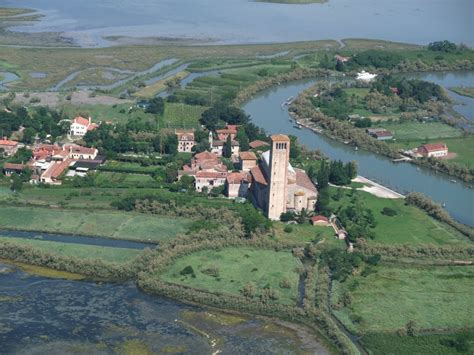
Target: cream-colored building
<point x="186" y="141"/>
<point x="276" y="187"/>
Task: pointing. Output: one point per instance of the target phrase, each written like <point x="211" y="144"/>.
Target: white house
<point x="80" y="126"/>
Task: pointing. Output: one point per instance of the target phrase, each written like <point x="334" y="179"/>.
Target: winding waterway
<point x="39" y="315"/>
<point x="266" y="111"/>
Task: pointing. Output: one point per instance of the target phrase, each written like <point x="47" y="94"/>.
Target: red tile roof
<point x="258" y="144"/>
<point x="247" y="156"/>
<point x="258" y="176"/>
<point x="8" y="142"/>
<point x="81" y="120"/>
<point x="320" y="219"/>
<point x="434" y="147"/>
<point x="303" y="180"/>
<point x="383" y="134"/>
<point x="13" y="166"/>
<point x="211" y="175"/>
<point x="235" y="178"/>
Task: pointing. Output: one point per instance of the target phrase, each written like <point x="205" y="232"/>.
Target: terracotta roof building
<point x="8" y="147"/>
<point x="435" y="150"/>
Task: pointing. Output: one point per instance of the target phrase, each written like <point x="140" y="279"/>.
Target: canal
<point x="266" y="112"/>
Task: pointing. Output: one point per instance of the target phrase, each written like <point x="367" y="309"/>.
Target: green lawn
<point x="107" y="178"/>
<point x="432" y="344"/>
<point x="435" y="297"/>
<point x="410" y="226"/>
<point x="419" y="131"/>
<point x="237" y="267"/>
<point x="120" y="225"/>
<point x="306" y="233"/>
<point x="81" y="251"/>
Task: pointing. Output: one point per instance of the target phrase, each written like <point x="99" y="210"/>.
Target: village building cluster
<point x="268" y="181"/>
<point x="50" y="162"/>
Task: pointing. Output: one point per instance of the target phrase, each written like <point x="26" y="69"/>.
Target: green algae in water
<point x="220" y="318"/>
<point x="134" y="347"/>
<point x="44" y="271"/>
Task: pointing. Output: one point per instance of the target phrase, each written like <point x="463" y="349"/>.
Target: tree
<point x="227" y="149"/>
<point x="242" y="139"/>
<point x="156" y="106"/>
<point x="218" y="114"/>
<point x="323" y="175"/>
<point x="322" y="203"/>
<point x="16" y="183"/>
<point x="28" y="135"/>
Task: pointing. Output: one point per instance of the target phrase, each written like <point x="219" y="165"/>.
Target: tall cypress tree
<point x="227" y="149"/>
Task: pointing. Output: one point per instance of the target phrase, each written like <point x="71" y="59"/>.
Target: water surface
<point x="246" y="21"/>
<point x="54" y="316"/>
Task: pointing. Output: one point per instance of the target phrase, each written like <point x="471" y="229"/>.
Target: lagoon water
<point x="54" y="316"/>
<point x="247" y="21"/>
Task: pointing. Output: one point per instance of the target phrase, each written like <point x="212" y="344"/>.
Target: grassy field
<point x="434" y="297"/>
<point x="107" y="178"/>
<point x="175" y="115"/>
<point x="118" y="255"/>
<point x="306" y="233"/>
<point x="390" y="343"/>
<point x="120" y="225"/>
<point x="410" y="226"/>
<point x="236" y="267"/>
<point x="464" y="91"/>
<point x="408" y="131"/>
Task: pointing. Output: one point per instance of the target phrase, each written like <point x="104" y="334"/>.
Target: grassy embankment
<point x="80" y="251"/>
<point x="108" y="224"/>
<point x="235" y="268"/>
<point x="464" y="91"/>
<point x="435" y="298"/>
<point x="410" y="226"/>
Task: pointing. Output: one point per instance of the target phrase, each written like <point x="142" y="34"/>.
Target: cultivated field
<point x="237" y="267"/>
<point x="111" y="224"/>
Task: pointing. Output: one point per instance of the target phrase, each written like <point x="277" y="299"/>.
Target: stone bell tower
<point x="278" y="179"/>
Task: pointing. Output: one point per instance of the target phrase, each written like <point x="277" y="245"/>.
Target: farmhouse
<point x="380" y="134"/>
<point x="435" y="150"/>
<point x="80" y="126"/>
<point x="186" y="141"/>
<point x="8" y="147"/>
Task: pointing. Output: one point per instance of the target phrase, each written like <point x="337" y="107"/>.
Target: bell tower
<point x="278" y="179"/>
